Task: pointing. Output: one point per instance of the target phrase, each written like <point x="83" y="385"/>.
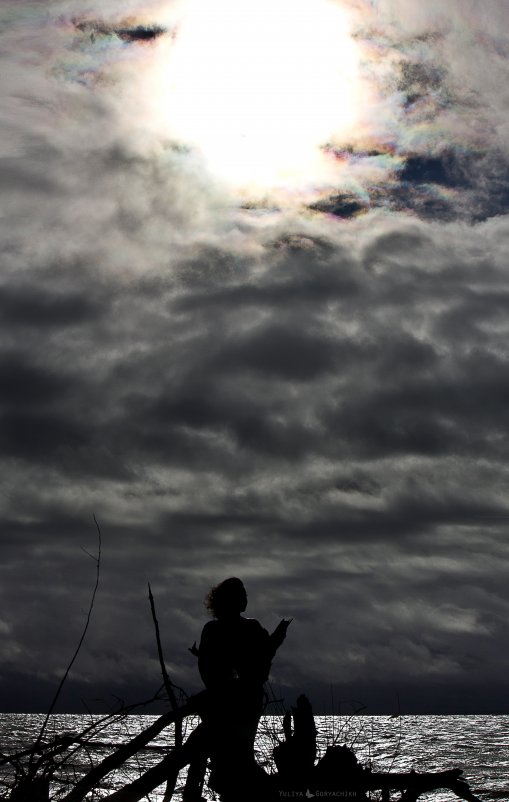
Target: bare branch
<point x="112" y="762"/>
<point x="75" y="655"/>
<point x="172" y="776"/>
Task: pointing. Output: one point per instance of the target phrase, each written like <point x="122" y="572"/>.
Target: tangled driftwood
<point x="337" y="775"/>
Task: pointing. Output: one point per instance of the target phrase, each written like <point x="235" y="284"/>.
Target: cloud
<point x="349" y="439"/>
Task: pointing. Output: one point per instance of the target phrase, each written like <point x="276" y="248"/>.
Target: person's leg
<point x="199" y="743"/>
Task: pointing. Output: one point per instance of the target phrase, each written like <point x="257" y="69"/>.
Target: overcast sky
<point x="310" y="392"/>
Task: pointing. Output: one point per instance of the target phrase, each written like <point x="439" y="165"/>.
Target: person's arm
<point x="277" y="637"/>
<point x="207" y="655"/>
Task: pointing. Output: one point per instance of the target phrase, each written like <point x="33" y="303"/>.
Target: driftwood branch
<point x="415" y="784"/>
<point x="157" y="775"/>
<point x="339" y="769"/>
<point x="115" y="760"/>
<point x="295" y="757"/>
<point x="84" y="739"/>
<point x="168" y="685"/>
<point x="32" y="769"/>
<point x="171" y="779"/>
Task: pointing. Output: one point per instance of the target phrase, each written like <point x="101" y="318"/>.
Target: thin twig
<point x="66" y="674"/>
<point x="172" y="777"/>
<point x="102" y="724"/>
<point x="166" y="679"/>
<point x="123" y="753"/>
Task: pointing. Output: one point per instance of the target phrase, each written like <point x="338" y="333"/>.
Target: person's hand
<point x="279" y="633"/>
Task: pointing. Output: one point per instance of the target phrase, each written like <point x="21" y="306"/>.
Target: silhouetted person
<point x="233" y="647"/>
<point x="234" y="660"/>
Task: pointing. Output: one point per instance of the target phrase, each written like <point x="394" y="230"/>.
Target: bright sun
<point x="258" y="87"/>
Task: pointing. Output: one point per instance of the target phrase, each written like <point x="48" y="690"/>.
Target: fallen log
<point x="115" y="760"/>
<point x="338" y="773"/>
<point x="158" y="774"/>
<point x="414" y="784"/>
<point x="295" y="757"/>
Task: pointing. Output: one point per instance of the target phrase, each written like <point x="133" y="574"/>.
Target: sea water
<point x="479" y="745"/>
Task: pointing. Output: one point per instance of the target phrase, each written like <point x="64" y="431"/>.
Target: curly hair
<point x="227" y="597"/>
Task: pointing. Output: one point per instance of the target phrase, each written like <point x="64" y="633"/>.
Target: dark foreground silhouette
<point x="234" y="659"/>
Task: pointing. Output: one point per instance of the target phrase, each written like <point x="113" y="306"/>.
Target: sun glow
<point x="258" y="87"/>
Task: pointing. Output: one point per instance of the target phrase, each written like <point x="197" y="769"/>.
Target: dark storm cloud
<point x="343" y="206"/>
<point x="476" y="184"/>
<point x="27" y="384"/>
<point x="23" y="306"/>
<point x="283" y="351"/>
<point x="432" y="169"/>
<point x="266" y="431"/>
<point x="420" y="79"/>
<point x="138" y="33"/>
<point x="481" y="181"/>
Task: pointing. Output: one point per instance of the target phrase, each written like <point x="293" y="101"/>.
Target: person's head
<point x="227" y="599"/>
